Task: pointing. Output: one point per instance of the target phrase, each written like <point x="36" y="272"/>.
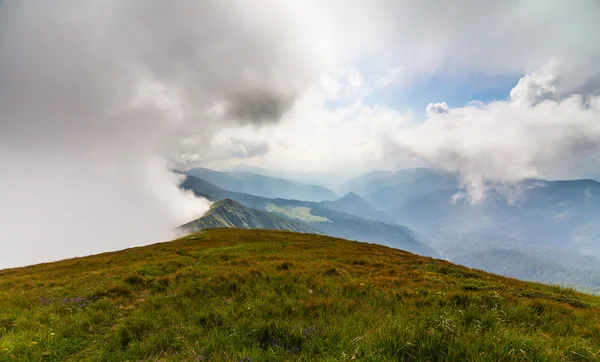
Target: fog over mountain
<point x="97" y="102"/>
<point x="101" y="100"/>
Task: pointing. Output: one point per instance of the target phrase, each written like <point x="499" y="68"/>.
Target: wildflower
<point x="33" y="342"/>
<point x="52" y="333"/>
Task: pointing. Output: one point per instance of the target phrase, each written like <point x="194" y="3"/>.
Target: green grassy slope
<point x="230" y="214"/>
<point x="241" y="295"/>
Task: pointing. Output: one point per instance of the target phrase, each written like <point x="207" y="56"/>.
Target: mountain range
<point x="327" y="218"/>
<point x="557" y="223"/>
<point x="260" y="185"/>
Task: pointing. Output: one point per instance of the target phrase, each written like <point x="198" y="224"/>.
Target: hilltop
<point x="242" y="295"/>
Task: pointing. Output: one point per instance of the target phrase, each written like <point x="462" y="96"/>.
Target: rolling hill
<point x="323" y="219"/>
<point x="258" y="295"/>
<point x="260" y="185"/>
<point x="230" y="214"/>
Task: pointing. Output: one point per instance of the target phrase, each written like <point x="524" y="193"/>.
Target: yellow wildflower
<point x="33" y="342"/>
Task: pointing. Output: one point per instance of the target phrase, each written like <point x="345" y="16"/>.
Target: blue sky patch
<point x="456" y="90"/>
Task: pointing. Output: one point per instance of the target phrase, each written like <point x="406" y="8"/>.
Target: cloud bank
<point x="508" y="141"/>
<point x="99" y="99"/>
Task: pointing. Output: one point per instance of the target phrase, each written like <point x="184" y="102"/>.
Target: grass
<point x="297" y="212"/>
<point x="242" y="295"/>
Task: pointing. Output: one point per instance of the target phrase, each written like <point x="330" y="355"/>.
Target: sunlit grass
<point x="243" y="295"/>
<point x="297" y="212"/>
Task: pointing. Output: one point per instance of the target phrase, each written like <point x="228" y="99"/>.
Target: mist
<point x="99" y="100"/>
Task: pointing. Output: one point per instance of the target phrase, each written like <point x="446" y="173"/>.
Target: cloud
<point x="546" y="127"/>
<point x="554" y="82"/>
<point x="256" y="106"/>
<point x="506" y="141"/>
<point x="100" y="99"/>
<point x="231" y="147"/>
<point x="437" y="108"/>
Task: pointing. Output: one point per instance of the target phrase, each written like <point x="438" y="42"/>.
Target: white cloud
<point x="547" y="128"/>
<point x="128" y="89"/>
<point x="98" y="99"/>
<point x="507" y="141"/>
<point x="437" y="108"/>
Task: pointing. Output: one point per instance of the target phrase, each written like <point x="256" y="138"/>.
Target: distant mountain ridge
<point x="231" y="214"/>
<point x="352" y="203"/>
<point x="563" y="214"/>
<point x="551" y="213"/>
<point x="553" y="226"/>
<point x="373" y="182"/>
<point x="325" y="220"/>
<point x="328" y="179"/>
<point x="260" y="185"/>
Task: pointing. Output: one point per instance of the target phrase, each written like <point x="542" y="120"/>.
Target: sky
<point x="100" y="100"/>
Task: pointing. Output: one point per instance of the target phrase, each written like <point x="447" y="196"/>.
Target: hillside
<point x="255" y="295"/>
<point x="260" y="185"/>
<point x="230" y="214"/>
<point x="325" y="220"/>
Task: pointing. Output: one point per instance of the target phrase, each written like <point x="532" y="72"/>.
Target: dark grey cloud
<point x="78" y="66"/>
<point x="257" y="106"/>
